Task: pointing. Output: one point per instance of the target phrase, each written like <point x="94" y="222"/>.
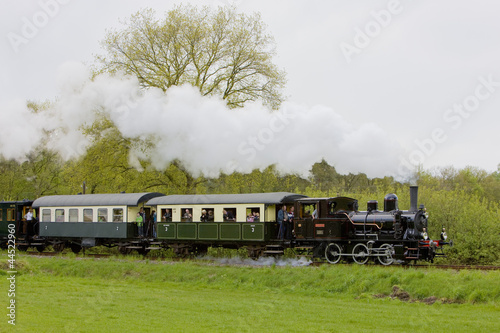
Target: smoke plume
<point x="200" y="131"/>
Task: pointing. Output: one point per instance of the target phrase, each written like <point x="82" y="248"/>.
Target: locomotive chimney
<point x="413" y="198"/>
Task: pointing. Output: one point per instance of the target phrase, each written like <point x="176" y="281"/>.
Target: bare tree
<point x="221" y="52"/>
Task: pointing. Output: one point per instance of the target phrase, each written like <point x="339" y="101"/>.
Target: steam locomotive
<point x="341" y="231"/>
<point x="328" y="229"/>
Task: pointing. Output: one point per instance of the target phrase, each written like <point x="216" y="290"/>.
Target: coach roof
<point x="112" y="199"/>
<point x="252" y="198"/>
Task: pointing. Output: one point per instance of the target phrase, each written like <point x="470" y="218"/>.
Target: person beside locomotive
<point x="425" y="236"/>
<point x="444" y="236"/>
<point x="282" y="221"/>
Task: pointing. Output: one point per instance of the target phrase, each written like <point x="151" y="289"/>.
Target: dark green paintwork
<point x="187" y="231"/>
<point x="253" y="231"/>
<point x="230" y="231"/>
<point x="208" y="231"/>
<point x="88" y="229"/>
<point x="215" y="231"/>
<point x="166" y="230"/>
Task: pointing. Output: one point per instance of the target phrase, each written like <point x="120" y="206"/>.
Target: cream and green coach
<point x="234" y="220"/>
<point x="90" y="219"/>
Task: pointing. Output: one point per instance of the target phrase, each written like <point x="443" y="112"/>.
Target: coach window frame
<point x="86" y="217"/>
<point x="102" y="214"/>
<point x="73" y="215"/>
<point x="117" y="217"/>
<point x="233" y="211"/>
<point x="59" y="215"/>
<point x="46" y="215"/>
<point x="190" y="209"/>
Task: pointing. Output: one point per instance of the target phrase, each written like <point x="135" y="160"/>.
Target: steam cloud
<point x="199" y="131"/>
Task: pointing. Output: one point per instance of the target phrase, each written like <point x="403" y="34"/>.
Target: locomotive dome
<point x="390" y="202"/>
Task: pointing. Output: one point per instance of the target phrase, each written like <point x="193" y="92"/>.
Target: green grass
<point x="68" y="294"/>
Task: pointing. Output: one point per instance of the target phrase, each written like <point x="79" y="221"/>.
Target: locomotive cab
<point x="323" y="217"/>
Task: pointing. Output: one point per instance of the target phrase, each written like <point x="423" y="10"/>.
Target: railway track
<point x="455" y="267"/>
<point x="53" y="254"/>
<point x="459" y="267"/>
<point x="314" y="263"/>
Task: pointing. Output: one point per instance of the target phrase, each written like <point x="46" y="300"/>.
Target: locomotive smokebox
<point x="413" y="198"/>
<point x="390" y="202"/>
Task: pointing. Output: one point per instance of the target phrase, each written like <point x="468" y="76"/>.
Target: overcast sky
<point x="425" y="73"/>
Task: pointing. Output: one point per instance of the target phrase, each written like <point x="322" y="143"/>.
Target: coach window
<point x="117" y="214"/>
<point x="166" y="215"/>
<point x="210" y="213"/>
<point x="253" y="214"/>
<point x="229" y="214"/>
<point x="59" y="215"/>
<point x="102" y="214"/>
<point x="73" y="215"/>
<point x="187" y="215"/>
<point x="46" y="215"/>
<point x="88" y="215"/>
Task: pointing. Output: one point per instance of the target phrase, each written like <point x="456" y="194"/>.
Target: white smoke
<point x="200" y="131"/>
<point x="261" y="261"/>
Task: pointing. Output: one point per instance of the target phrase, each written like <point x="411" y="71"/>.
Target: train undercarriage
<point x="333" y="251"/>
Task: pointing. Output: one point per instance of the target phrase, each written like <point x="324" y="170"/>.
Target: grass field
<point x="68" y="294"/>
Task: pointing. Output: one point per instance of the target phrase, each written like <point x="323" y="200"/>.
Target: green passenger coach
<point x="90" y="219"/>
<point x="192" y="223"/>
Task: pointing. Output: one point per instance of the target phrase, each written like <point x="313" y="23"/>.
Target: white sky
<point x="411" y="63"/>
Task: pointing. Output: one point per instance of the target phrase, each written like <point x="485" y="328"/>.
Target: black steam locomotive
<point x="341" y="231"/>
